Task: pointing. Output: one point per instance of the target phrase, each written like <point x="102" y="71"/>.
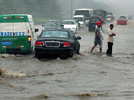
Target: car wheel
<point x="78" y="49"/>
<point x="79" y="25"/>
<point x="71" y="54"/>
<point x="37" y="55"/>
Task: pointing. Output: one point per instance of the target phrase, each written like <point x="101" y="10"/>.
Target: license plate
<point x="108" y="18"/>
<point x="94" y="25"/>
<point x="6" y="43"/>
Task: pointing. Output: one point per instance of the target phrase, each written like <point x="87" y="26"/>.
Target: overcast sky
<point x="121" y="7"/>
<point x="124" y="6"/>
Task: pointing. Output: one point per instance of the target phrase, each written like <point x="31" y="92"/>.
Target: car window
<point x="58" y="34"/>
<point x="68" y="22"/>
<point x="122" y="19"/>
<point x="52" y="24"/>
<point x="94" y="20"/>
<point x="109" y="16"/>
<point x="72" y="36"/>
<point x="79" y="19"/>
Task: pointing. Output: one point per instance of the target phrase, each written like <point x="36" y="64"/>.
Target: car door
<point x="76" y="43"/>
<point x="20" y="35"/>
<point x="6" y="34"/>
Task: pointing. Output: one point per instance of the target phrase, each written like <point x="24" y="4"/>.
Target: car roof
<point x="56" y="30"/>
<point x="120" y="18"/>
<point x="95" y="16"/>
<point x="68" y="20"/>
<point x="109" y="15"/>
<point x="79" y="16"/>
<point x="84" y="9"/>
<point x="65" y="30"/>
<point x="53" y="20"/>
<point x="123" y="16"/>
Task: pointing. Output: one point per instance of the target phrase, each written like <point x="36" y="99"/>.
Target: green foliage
<point x="40" y="9"/>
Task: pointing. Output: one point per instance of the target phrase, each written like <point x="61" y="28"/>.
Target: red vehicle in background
<point x="122" y="20"/>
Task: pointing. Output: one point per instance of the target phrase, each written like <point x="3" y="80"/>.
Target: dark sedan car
<point x="57" y="42"/>
<point x="93" y="22"/>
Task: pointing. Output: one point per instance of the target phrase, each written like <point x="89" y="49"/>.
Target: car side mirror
<point x="62" y="26"/>
<point x="36" y="30"/>
<point x="78" y="38"/>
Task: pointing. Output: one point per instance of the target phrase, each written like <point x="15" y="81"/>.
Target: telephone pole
<point x="71" y="8"/>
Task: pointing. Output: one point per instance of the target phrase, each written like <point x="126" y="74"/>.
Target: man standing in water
<point x="110" y="40"/>
<point x="98" y="37"/>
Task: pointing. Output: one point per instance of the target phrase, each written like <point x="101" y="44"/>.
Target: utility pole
<point x="71" y="8"/>
<point x="101" y="4"/>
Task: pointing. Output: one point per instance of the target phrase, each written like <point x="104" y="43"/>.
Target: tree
<point x="38" y="8"/>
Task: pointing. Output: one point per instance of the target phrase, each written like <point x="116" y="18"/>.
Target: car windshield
<point x="79" y="18"/>
<point x="109" y="16"/>
<point x="68" y="22"/>
<point x="57" y="34"/>
<point x="122" y="19"/>
<point x="94" y="20"/>
<point x="52" y="24"/>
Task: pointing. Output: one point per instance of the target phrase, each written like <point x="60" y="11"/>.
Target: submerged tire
<point x="71" y="54"/>
<point x="78" y="50"/>
<point x="37" y="55"/>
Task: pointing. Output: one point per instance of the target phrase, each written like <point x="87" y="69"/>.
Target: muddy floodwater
<point x="84" y="77"/>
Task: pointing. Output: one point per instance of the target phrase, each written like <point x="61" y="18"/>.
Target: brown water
<point x="110" y="78"/>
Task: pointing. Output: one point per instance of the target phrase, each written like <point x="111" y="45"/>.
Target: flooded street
<point x="96" y="75"/>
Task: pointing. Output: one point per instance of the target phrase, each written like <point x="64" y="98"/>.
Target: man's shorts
<point x="98" y="42"/>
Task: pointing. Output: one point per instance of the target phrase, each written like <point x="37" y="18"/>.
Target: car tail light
<point x="28" y="31"/>
<point x="102" y="19"/>
<point x="19" y="17"/>
<point x="38" y="43"/>
<point x="67" y="44"/>
<point x="29" y="39"/>
<point x="7" y="46"/>
<point x="6" y="18"/>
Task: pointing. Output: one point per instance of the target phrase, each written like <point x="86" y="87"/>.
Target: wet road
<point x="110" y="78"/>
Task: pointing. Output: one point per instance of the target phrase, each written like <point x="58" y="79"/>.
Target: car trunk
<point x="92" y="26"/>
<point x="53" y="42"/>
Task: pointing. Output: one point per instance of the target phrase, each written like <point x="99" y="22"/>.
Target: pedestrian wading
<point x="110" y="41"/>
<point x="98" y="37"/>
